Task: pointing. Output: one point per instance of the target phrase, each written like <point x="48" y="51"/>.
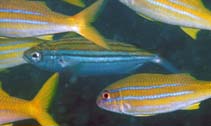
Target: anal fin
<point x="144" y="16"/>
<point x="192" y="32"/>
<point x="192" y="107"/>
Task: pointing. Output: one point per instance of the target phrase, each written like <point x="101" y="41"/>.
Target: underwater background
<point x="75" y="102"/>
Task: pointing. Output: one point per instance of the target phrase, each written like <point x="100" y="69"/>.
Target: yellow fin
<point x="144" y="16"/>
<point x="46" y="37"/>
<point x="192" y="107"/>
<point x="44" y="96"/>
<point x="78" y="3"/>
<point x="42" y="101"/>
<point x="83" y="26"/>
<point x="192" y="32"/>
<point x="8" y="124"/>
<point x="2" y="92"/>
<point x="144" y="115"/>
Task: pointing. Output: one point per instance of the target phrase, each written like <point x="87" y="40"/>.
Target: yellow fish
<point x="15" y="109"/>
<point x="21" y="18"/>
<point x="151" y="94"/>
<point x="190" y="15"/>
<point x="12" y="49"/>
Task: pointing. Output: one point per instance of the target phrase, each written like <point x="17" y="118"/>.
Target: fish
<point x="189" y="15"/>
<point x="150" y="94"/>
<point x="15" y="109"/>
<point x="12" y="49"/>
<point x="90" y="59"/>
<point x="22" y="18"/>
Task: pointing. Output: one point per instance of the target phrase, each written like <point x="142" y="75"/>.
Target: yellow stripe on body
<point x="84" y="44"/>
<point x="183" y="13"/>
<point x="11" y="50"/>
<point x="163" y="101"/>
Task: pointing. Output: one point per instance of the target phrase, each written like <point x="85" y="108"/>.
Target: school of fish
<point x="27" y="36"/>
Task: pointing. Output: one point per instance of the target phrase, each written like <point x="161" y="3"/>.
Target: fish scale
<point x="22" y="18"/>
<point x="190" y="15"/>
<point x="91" y="60"/>
<point x="12" y="49"/>
<point x="150" y="94"/>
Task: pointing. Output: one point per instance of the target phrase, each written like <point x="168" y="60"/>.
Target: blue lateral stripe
<point x="19" y="11"/>
<point x="5" y="20"/>
<point x="150" y="97"/>
<point x="144" y="87"/>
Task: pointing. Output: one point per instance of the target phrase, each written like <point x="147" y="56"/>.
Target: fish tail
<point x="82" y="23"/>
<point x="41" y="102"/>
<point x="166" y="64"/>
<point x="78" y="3"/>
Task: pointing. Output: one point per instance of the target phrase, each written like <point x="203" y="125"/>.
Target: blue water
<point x="75" y="105"/>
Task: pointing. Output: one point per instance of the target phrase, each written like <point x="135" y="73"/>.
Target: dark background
<point x="75" y="105"/>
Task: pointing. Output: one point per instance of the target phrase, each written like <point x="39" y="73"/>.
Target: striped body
<point x="150" y="94"/>
<point x="23" y="18"/>
<point x="15" y="109"/>
<point x="11" y="51"/>
<point x="90" y="59"/>
<point x="187" y="13"/>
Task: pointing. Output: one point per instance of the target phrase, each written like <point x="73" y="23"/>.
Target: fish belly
<point x="7" y="116"/>
<point x="109" y="68"/>
<point x="154" y="105"/>
<point x="26" y="30"/>
<point x="172" y="12"/>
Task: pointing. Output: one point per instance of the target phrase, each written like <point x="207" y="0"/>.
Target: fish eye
<point x="36" y="56"/>
<point x="106" y="95"/>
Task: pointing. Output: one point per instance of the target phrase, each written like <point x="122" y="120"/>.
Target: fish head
<point x="43" y="57"/>
<point x="111" y="101"/>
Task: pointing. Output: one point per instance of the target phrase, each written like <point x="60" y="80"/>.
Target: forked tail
<point x="166" y="64"/>
<point x="81" y="23"/>
<point x="41" y="102"/>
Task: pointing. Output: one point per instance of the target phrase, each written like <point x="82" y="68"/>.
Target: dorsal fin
<point x="2" y="92"/>
<point x="192" y="107"/>
<point x="192" y="32"/>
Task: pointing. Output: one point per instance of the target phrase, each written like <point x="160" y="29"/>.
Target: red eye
<point x="106" y="95"/>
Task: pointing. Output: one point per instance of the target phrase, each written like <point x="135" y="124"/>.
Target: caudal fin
<point x="82" y="23"/>
<point x="165" y="64"/>
<point x="42" y="100"/>
<point x="78" y="3"/>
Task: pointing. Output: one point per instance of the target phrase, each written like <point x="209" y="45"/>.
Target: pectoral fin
<point x="191" y="32"/>
<point x="192" y="107"/>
